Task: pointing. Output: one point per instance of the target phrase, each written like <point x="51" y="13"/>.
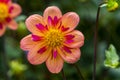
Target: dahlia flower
<point x="53" y="39"/>
<point x="8" y="11"/>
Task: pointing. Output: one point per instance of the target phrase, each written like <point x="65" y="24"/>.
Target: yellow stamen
<point x="3" y="11"/>
<point x="54" y="38"/>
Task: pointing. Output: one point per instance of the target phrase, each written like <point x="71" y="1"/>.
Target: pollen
<point x="3" y="11"/>
<point x="54" y="38"/>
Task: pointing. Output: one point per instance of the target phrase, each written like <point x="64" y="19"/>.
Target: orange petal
<point x="54" y="65"/>
<point x="78" y="40"/>
<point x="31" y="23"/>
<point x="70" y="20"/>
<point x="15" y="11"/>
<point x="34" y="57"/>
<point x="52" y="12"/>
<point x="12" y="25"/>
<point x="70" y="57"/>
<point x="27" y="43"/>
<point x="2" y="29"/>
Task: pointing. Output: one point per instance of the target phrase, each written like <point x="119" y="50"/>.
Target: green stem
<point x="63" y="75"/>
<point x="80" y="74"/>
<point x="95" y="43"/>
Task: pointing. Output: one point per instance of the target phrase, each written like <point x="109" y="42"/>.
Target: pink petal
<point x="1" y="26"/>
<point x="36" y="38"/>
<point x="54" y="23"/>
<point x="27" y="43"/>
<point x="42" y="50"/>
<point x="70" y="20"/>
<point x="54" y="65"/>
<point x="77" y="41"/>
<point x="50" y="21"/>
<point x="64" y="28"/>
<point x="5" y="1"/>
<point x="55" y="53"/>
<point x="67" y="49"/>
<point x="8" y="19"/>
<point x="70" y="57"/>
<point x="31" y="23"/>
<point x="15" y="10"/>
<point x="2" y="29"/>
<point x="69" y="36"/>
<point x="52" y="12"/>
<point x="37" y="58"/>
<point x="12" y="25"/>
<point x="56" y="20"/>
<point x="10" y="9"/>
<point x="41" y="27"/>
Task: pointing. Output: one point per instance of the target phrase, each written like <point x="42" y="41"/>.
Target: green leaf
<point x="21" y="18"/>
<point x="112" y="59"/>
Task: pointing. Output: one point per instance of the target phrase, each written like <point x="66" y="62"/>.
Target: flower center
<point x="54" y="38"/>
<point x="3" y="11"/>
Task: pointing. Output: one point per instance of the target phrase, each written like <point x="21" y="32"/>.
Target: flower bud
<point x="112" y="6"/>
<point x="16" y="68"/>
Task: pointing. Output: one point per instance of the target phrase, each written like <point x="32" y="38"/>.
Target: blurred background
<point x="14" y="62"/>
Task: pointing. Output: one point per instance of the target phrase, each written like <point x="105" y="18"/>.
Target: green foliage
<point x="16" y="68"/>
<point x="112" y="59"/>
<point x="21" y="18"/>
<point x="12" y="48"/>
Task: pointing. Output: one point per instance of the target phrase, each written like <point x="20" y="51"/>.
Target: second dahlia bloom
<point x="53" y="39"/>
<point x="8" y="11"/>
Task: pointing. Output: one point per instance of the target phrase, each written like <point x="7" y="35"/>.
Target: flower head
<point x="53" y="39"/>
<point x="8" y="11"/>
